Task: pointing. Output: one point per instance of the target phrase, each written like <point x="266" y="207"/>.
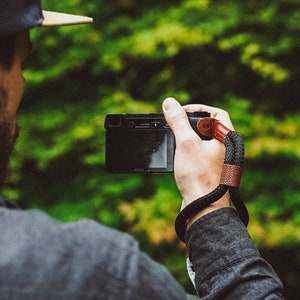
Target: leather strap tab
<point x="231" y="175"/>
<point x="212" y="128"/>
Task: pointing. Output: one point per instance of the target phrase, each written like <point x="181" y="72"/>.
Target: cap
<point x="19" y="15"/>
<point x="60" y="19"/>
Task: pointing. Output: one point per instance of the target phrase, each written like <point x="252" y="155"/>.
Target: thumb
<point x="177" y="119"/>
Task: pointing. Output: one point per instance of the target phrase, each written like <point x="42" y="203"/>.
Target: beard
<point x="9" y="132"/>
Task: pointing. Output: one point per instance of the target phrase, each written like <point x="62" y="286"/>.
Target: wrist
<point x="222" y="203"/>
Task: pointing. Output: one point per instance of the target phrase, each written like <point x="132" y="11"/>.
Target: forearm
<point x="226" y="262"/>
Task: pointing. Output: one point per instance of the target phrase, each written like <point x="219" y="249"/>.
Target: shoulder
<point x="83" y="255"/>
<point x="34" y="224"/>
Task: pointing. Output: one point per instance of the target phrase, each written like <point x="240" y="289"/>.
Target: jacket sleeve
<point x="226" y="262"/>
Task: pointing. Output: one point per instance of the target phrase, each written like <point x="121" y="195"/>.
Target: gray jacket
<point x="43" y="259"/>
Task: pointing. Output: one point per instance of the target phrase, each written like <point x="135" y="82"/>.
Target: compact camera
<point x="142" y="143"/>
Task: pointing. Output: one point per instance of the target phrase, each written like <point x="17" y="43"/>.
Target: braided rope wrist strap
<point x="230" y="178"/>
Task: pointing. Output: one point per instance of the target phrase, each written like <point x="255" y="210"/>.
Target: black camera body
<point x="142" y="143"/>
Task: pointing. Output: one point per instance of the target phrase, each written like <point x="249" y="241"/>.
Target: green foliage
<point x="239" y="55"/>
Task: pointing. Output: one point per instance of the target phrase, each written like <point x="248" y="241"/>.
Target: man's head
<point x="16" y="18"/>
<point x="19" y="15"/>
<point x="13" y="51"/>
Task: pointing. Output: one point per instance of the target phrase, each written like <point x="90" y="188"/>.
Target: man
<point x="16" y="18"/>
<point x="43" y="259"/>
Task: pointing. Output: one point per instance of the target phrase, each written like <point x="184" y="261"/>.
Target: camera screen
<point x="139" y="151"/>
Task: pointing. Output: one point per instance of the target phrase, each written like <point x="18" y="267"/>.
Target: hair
<point x="7" y="49"/>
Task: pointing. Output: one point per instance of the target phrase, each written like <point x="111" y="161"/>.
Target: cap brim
<point x="60" y="19"/>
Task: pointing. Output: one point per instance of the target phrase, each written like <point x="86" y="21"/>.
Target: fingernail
<point x="169" y="103"/>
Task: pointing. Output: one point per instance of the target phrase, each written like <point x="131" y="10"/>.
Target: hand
<point x="198" y="164"/>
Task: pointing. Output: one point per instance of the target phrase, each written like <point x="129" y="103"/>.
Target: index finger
<point x="216" y="113"/>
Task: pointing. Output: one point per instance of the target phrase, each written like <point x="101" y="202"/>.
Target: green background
<point x="242" y="56"/>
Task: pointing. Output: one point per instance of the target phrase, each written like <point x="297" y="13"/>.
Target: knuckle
<point x="177" y="118"/>
<point x="187" y="142"/>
